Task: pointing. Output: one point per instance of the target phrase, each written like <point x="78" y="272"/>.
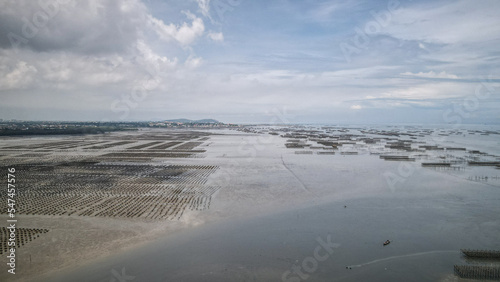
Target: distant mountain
<point x="184" y="120"/>
<point x="207" y="121"/>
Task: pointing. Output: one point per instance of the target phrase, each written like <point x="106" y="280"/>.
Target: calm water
<point x="429" y="217"/>
<point x="426" y="235"/>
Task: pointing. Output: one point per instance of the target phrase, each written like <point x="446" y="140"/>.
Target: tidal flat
<point x="262" y="203"/>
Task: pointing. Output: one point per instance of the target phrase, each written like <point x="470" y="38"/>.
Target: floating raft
<point x="303" y="152"/>
<point x="485" y="163"/>
<point x="477" y="272"/>
<point x="430" y="147"/>
<point x="396" y="158"/>
<point x="490" y="254"/>
<point x="294" y="145"/>
<point x="436" y="164"/>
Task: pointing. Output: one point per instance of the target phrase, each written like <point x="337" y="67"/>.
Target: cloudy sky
<point x="267" y="61"/>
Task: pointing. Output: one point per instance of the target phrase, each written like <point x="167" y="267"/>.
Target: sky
<point x="251" y="61"/>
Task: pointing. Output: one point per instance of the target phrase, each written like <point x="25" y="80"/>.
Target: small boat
<point x="387" y="242"/>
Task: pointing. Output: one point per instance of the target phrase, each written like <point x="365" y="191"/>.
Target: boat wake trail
<point x="398" y="257"/>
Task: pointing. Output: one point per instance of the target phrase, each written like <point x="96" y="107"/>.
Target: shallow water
<point x="426" y="237"/>
<point x="276" y="204"/>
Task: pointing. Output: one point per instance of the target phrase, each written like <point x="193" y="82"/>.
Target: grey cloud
<point x="56" y="25"/>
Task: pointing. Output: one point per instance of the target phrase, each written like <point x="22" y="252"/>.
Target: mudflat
<point x="264" y="204"/>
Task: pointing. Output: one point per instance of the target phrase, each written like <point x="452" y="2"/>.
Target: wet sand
<point x="426" y="234"/>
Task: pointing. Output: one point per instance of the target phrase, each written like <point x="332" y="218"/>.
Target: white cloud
<point x="21" y="76"/>
<point x="92" y="53"/>
<point x="96" y="51"/>
<point x="216" y="36"/>
<point x="451" y="23"/>
<point x="431" y="74"/>
<point x="153" y="63"/>
<point x="204" y="7"/>
<point x="193" y="62"/>
<point x="185" y="34"/>
<point x="430" y="91"/>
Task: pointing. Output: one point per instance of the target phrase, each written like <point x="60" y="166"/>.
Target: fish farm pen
<point x="396" y="158"/>
<point x="484" y="163"/>
<point x="436" y="164"/>
<point x="486" y="272"/>
<point x="303" y="152"/>
<point x="477" y="272"/>
<point x="120" y="176"/>
<point x="326" y="153"/>
<point x="24" y="235"/>
<point x="489" y="254"/>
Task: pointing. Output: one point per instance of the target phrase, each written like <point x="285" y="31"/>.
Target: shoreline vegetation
<point x="25" y="128"/>
<point x="64" y="131"/>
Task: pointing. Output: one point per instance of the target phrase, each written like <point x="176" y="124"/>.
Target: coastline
<point x="265" y="187"/>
